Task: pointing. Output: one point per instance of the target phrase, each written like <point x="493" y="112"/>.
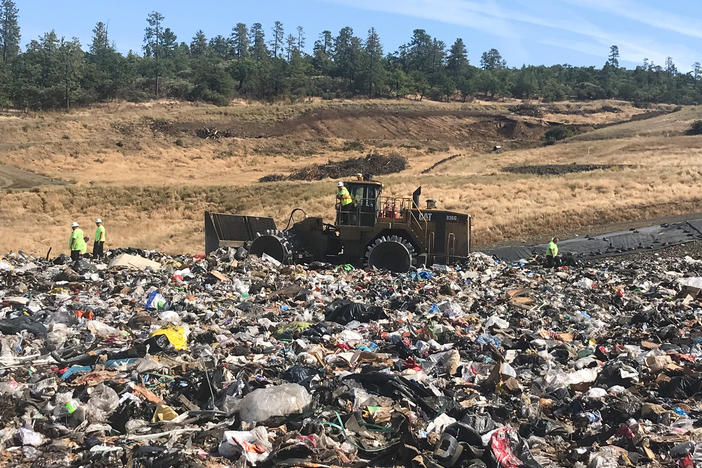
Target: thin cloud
<point x="660" y="19"/>
<point x="489" y="17"/>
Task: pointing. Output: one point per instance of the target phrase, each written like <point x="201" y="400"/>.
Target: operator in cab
<point x="344" y="202"/>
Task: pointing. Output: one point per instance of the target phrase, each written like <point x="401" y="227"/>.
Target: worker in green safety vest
<point x="552" y="258"/>
<point x="76" y="242"/>
<point x="345" y="202"/>
<point x="99" y="243"/>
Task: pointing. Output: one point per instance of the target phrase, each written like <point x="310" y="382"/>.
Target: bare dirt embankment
<point x="150" y="170"/>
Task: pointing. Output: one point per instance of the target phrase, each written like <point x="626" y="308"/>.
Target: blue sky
<point x="578" y="32"/>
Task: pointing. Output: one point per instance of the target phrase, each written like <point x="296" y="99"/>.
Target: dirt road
<point x="14" y="178"/>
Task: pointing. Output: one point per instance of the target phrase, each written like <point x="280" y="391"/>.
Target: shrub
<point x="556" y="133"/>
<point x="695" y="128"/>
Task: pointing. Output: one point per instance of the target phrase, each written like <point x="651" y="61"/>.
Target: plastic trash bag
<point x="281" y="400"/>
<point x="344" y="311"/>
<point x="177" y="336"/>
<point x="509" y="450"/>
<point x="253" y="444"/>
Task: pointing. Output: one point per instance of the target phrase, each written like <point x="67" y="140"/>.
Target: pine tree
<point x="258" y="42"/>
<point x="457" y="60"/>
<point x="278" y="37"/>
<point x="300" y="38"/>
<point x="290" y="46"/>
<point x="374" y="55"/>
<point x="100" y="41"/>
<point x="9" y="31"/>
<point x="492" y="60"/>
<point x="613" y="59"/>
<point x="198" y="46"/>
<point x="71" y="68"/>
<point x="240" y="40"/>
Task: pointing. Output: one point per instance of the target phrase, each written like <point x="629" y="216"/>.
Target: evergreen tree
<point x="322" y="53"/>
<point x="71" y="67"/>
<point x="258" y="42"/>
<point x="278" y="37"/>
<point x="457" y="61"/>
<point x="9" y="31"/>
<point x="153" y="35"/>
<point x="492" y="60"/>
<point x="670" y="67"/>
<point x="300" y="39"/>
<point x="240" y="40"/>
<point x="374" y="66"/>
<point x="613" y="59"/>
<point x="198" y="46"/>
<point x="221" y="46"/>
<point x="290" y="46"/>
<point x="100" y="42"/>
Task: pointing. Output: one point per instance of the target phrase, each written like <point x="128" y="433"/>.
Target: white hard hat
<point x="340" y="184"/>
<point x="74" y="224"/>
<point x="98" y="220"/>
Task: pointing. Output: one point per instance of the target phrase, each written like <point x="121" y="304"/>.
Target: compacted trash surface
<point x="149" y="360"/>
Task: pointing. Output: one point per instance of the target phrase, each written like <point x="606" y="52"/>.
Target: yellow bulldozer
<point x="390" y="233"/>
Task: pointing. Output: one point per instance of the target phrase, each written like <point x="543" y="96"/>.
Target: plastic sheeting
<point x="613" y="243"/>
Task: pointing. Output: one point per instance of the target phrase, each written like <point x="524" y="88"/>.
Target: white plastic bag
<point x="280" y="400"/>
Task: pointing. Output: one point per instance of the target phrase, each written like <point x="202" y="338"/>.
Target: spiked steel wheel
<point x="275" y="243"/>
<point x="392" y="253"/>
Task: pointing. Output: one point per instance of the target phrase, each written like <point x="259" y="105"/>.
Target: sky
<point x="533" y="32"/>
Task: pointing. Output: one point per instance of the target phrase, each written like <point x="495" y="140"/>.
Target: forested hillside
<point x="251" y="61"/>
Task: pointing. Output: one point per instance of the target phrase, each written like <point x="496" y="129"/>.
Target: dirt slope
<point x="150" y="170"/>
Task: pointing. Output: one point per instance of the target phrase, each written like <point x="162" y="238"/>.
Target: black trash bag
<point x="458" y="442"/>
<point x="543" y="427"/>
<point x="682" y="450"/>
<point x="507" y="448"/>
<point x="621" y="408"/>
<point x="682" y="387"/>
<point x="397" y="387"/>
<point x="481" y="423"/>
<point x="613" y="373"/>
<point x="316" y="332"/>
<point x="344" y="311"/>
<point x="241" y="253"/>
<point x="299" y="374"/>
<point x="150" y="456"/>
<point x="17" y="324"/>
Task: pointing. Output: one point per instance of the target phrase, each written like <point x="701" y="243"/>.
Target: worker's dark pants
<point x="98" y="249"/>
<point x="347" y="214"/>
<point x="552" y="262"/>
<point x="75" y="255"/>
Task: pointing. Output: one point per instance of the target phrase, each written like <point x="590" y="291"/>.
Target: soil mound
<point x="373" y="163"/>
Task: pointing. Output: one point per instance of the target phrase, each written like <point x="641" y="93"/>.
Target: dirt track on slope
<point x="14" y="178"/>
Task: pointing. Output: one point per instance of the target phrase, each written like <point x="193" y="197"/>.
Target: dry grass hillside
<point x="150" y="170"/>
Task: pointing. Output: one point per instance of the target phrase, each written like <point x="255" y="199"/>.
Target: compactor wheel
<point x="392" y="253"/>
<point x="274" y="243"/>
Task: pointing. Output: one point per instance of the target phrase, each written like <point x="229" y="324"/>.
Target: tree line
<point x="54" y="72"/>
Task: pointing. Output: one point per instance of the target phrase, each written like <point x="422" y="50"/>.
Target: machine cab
<point x="365" y="207"/>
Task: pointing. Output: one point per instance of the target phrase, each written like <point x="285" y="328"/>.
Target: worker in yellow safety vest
<point x="345" y="202"/>
<point x="552" y="258"/>
<point x="77" y="242"/>
<point x="99" y="243"/>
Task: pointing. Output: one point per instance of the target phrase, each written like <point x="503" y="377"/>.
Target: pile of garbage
<point x="234" y="360"/>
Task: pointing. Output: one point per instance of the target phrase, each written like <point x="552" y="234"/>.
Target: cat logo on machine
<point x="425" y="216"/>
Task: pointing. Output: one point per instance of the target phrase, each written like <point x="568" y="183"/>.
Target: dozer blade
<point x="231" y="230"/>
